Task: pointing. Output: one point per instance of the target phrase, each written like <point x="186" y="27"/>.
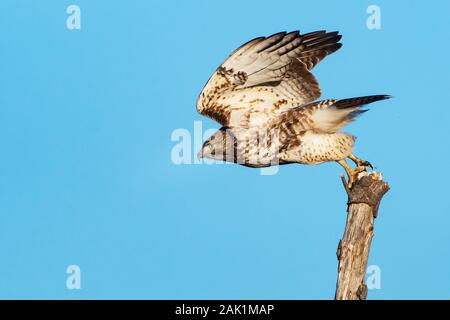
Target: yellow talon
<point x="359" y="162"/>
<point x="352" y="173"/>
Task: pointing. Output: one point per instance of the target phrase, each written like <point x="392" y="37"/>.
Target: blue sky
<point x="86" y="175"/>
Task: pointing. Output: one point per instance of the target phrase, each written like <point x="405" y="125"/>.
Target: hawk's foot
<point x="360" y="163"/>
<point x="352" y="173"/>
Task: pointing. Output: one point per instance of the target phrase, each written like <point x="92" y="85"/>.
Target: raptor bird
<point x="264" y="96"/>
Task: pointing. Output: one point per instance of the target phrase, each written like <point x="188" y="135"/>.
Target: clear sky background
<point x="86" y="175"/>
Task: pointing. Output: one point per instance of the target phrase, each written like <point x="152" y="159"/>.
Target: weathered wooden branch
<point x="353" y="250"/>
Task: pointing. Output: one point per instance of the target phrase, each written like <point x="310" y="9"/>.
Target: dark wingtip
<point x="360" y="101"/>
<point x="379" y="97"/>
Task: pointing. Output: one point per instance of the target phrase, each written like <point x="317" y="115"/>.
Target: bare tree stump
<point x="353" y="250"/>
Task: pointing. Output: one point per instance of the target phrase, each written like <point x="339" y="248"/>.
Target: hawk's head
<point x="220" y="146"/>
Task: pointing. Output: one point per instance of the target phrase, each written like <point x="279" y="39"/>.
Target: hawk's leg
<point x="360" y="163"/>
<point x="351" y="173"/>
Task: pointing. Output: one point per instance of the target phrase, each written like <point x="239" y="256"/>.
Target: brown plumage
<point x="263" y="97"/>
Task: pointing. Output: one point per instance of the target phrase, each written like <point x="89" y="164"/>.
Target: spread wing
<point x="266" y="76"/>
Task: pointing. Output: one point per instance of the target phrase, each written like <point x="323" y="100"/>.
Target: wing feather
<point x="266" y="76"/>
<point x="327" y="116"/>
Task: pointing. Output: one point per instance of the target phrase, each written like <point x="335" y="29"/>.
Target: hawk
<point x="264" y="96"/>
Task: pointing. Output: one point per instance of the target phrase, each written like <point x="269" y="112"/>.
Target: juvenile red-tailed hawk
<point x="263" y="95"/>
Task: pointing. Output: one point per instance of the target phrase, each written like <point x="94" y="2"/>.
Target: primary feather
<point x="266" y="76"/>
